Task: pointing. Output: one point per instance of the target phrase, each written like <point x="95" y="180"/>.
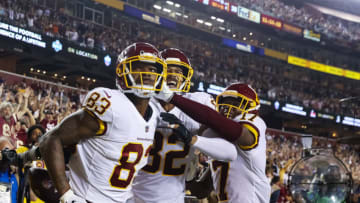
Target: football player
<point x="239" y="123"/>
<point x="244" y="179"/>
<point x="113" y="132"/>
<point x="163" y="179"/>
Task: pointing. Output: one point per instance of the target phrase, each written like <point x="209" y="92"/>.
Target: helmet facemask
<point x="143" y="84"/>
<point x="232" y="104"/>
<point x="182" y="79"/>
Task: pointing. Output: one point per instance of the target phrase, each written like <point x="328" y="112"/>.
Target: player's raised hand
<point x="181" y="132"/>
<point x="165" y="94"/>
<point x="70" y="197"/>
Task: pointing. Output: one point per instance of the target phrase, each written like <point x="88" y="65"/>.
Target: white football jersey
<point x="244" y="180"/>
<point x="163" y="179"/>
<point x="103" y="167"/>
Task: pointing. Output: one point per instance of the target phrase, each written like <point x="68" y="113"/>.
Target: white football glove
<point x="165" y="94"/>
<point x="70" y="197"/>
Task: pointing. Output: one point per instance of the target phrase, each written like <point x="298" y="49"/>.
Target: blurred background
<point x="301" y="56"/>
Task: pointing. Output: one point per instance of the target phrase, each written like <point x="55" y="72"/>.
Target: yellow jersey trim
<point x="255" y="132"/>
<point x="102" y="125"/>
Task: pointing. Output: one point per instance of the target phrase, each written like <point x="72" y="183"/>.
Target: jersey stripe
<point x="102" y="125"/>
<point x="255" y="132"/>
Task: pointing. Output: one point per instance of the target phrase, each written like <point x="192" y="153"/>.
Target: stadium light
<point x="31" y="69"/>
<point x="94" y="80"/>
<point x="88" y="79"/>
<point x="64" y="77"/>
<point x="157" y="7"/>
<point x="228" y="30"/>
<point x="44" y="72"/>
<point x="221" y="28"/>
<point x="170" y="2"/>
<point x="234" y="35"/>
<point x="82" y="77"/>
<point x="250" y="33"/>
<point x="38" y="71"/>
<point x="208" y="24"/>
<point x="185" y="16"/>
<point x="178" y="14"/>
<point x="167" y="10"/>
<point x="177" y="5"/>
<point x="55" y="75"/>
<point x="213" y="17"/>
<point x="199" y="21"/>
<point x="244" y="38"/>
<point x="220" y="20"/>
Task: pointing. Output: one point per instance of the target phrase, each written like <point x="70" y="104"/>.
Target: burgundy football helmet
<point x="175" y="57"/>
<point x="130" y="79"/>
<point x="248" y="99"/>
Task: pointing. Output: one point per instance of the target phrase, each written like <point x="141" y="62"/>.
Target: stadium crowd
<point x="26" y="102"/>
<point x="242" y="33"/>
<point x="221" y="66"/>
<point x="62" y="23"/>
<point x="332" y="27"/>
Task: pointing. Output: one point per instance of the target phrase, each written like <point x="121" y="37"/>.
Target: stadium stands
<point x="32" y="100"/>
<point x="332" y="27"/>
<point x="212" y="63"/>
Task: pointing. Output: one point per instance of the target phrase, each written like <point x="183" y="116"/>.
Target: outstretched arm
<point x="78" y="126"/>
<point x="225" y="127"/>
<point x="217" y="148"/>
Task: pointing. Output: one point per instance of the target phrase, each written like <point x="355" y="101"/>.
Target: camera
<point x="9" y="156"/>
<point x="12" y="158"/>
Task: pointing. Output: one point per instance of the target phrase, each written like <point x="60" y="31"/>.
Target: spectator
<point x="6" y="173"/>
<point x="71" y="34"/>
<point x="39" y="12"/>
<point x="11" y="13"/>
<point x="90" y="41"/>
<point x="33" y="135"/>
<point x="20" y="131"/>
<point x="2" y="10"/>
<point x="275" y="189"/>
<point x="356" y="194"/>
<point x="47" y="120"/>
<point x="30" y="20"/>
<point x="7" y="120"/>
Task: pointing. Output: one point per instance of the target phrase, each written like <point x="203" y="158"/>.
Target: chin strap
<point x="140" y="93"/>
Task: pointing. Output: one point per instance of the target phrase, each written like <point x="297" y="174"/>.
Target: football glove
<point x="165" y="94"/>
<point x="70" y="197"/>
<point x="181" y="132"/>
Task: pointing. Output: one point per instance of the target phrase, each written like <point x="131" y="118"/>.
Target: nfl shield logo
<point x="146" y="129"/>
